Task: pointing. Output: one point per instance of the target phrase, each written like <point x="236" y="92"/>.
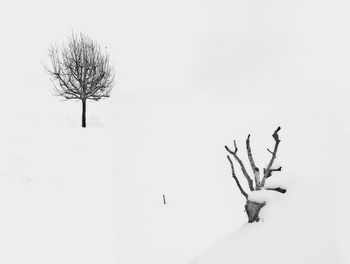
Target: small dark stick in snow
<point x="164" y="199"/>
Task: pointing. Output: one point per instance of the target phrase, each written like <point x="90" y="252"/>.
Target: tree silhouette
<point x="80" y="71"/>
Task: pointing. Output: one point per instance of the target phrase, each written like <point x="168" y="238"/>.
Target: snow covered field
<point x="192" y="76"/>
<point x="70" y="195"/>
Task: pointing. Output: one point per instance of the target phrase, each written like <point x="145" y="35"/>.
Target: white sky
<point x="286" y="46"/>
<point x="295" y="50"/>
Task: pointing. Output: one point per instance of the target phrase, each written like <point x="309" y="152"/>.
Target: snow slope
<point x="298" y="227"/>
<point x="86" y="195"/>
<point x="308" y="223"/>
<point x="201" y="201"/>
<point x="57" y="194"/>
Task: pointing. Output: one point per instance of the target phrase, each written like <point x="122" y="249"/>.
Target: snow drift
<point x="302" y="225"/>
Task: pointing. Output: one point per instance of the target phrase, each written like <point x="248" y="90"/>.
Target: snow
<point x="279" y="179"/>
<point x="302" y="225"/>
<point x="263" y="196"/>
<point x="191" y="76"/>
<point x="295" y="229"/>
<point x="53" y="208"/>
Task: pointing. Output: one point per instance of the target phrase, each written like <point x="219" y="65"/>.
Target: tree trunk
<point x="252" y="209"/>
<point x="83" y="116"/>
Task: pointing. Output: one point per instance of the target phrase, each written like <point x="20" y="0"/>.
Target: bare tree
<point x="253" y="208"/>
<point x="81" y="71"/>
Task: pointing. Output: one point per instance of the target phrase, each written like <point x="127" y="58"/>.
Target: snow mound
<point x="294" y="228"/>
<point x="263" y="196"/>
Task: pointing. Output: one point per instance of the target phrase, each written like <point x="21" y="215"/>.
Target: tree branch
<point x="245" y="173"/>
<point x="236" y="179"/>
<point x="272" y="170"/>
<point x="80" y="69"/>
<point x="278" y="189"/>
<point x="274" y="153"/>
<point x="252" y="164"/>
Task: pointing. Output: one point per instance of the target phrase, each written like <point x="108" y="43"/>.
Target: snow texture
<point x="263" y="196"/>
